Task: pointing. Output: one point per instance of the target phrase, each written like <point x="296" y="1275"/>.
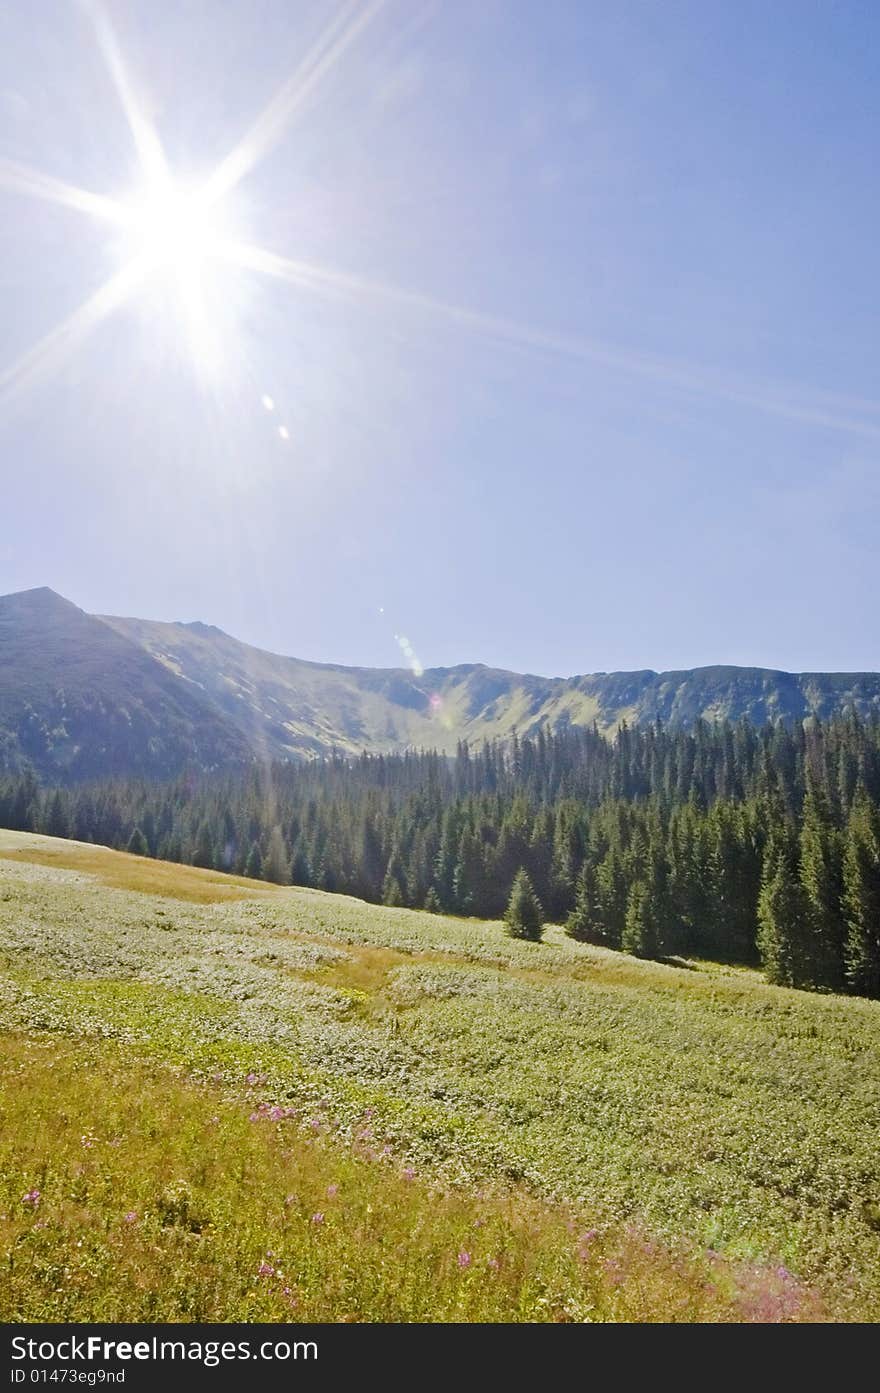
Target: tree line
<point x="756" y="845"/>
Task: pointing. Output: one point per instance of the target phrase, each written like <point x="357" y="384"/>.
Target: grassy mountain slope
<point x="85" y="696"/>
<point x="287" y="706"/>
<point x="77" y="698"/>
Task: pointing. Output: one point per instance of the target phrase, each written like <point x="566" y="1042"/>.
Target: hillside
<point x="703" y="1144"/>
<point x="83" y="695"/>
<point x="289" y="707"/>
<point x="78" y="699"/>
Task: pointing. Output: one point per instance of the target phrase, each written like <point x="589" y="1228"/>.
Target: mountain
<point x="78" y="699"/>
<point x="82" y="696"/>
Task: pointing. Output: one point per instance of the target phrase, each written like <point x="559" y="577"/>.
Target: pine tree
<point x="276" y="864"/>
<point x="640" y="928"/>
<point x="821" y="878"/>
<point x="204" y="851"/>
<point x="432" y="902"/>
<point x="392" y="888"/>
<point x="782" y="917"/>
<point x="524" y="917"/>
<point x="468" y="881"/>
<point x="57" y="823"/>
<point x="137" y="844"/>
<point x="612" y="891"/>
<point x="585" y="922"/>
<point x="254" y="865"/>
<point x="861" y="897"/>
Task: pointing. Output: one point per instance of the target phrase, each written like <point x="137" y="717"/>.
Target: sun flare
<point x="174" y="229"/>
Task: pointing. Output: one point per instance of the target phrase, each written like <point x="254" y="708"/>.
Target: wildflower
<point x="251" y="1078"/>
<point x="318" y="1218"/>
<point x="31" y="1197"/>
<point x="464" y="1258"/>
<point x="408" y="1173"/>
<point x="265" y="1269"/>
<point x="586" y="1240"/>
<point x="276" y="1114"/>
<point x="315" y="1123"/>
<point x="332" y="1191"/>
<point x="131" y="1216"/>
<point x="87" y="1141"/>
<point x="289" y="1200"/>
<point x="493" y="1263"/>
<point x="254" y="1117"/>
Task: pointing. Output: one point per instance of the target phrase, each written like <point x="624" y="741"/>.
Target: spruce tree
<point x="612" y="891"/>
<point x="782" y="917"/>
<point x="276" y="865"/>
<point x="861" y="898"/>
<point x="137" y="844"/>
<point x="640" y="928"/>
<point x="57" y="824"/>
<point x="203" y="854"/>
<point x="585" y="921"/>
<point x="254" y="864"/>
<point x="821" y="878"/>
<point x="524" y="917"/>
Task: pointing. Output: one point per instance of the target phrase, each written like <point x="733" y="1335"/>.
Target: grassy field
<point x="222" y="1100"/>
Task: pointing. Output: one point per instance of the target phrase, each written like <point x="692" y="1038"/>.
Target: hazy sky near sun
<point x="646" y="431"/>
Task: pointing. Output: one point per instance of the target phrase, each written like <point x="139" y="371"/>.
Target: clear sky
<point x="574" y="340"/>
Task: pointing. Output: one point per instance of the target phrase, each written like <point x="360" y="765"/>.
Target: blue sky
<point x="587" y="378"/>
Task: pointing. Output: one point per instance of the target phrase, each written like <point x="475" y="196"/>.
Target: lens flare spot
<point x="268" y="402"/>
<point x="284" y="432"/>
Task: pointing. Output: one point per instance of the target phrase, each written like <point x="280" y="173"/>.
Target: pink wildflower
<point x="408" y="1173"/>
<point x="586" y="1241"/>
<point x="332" y="1191"/>
<point x="318" y="1218"/>
<point x="464" y="1259"/>
<point x="131" y="1216"/>
<point x="31" y="1197"/>
<point x="265" y="1269"/>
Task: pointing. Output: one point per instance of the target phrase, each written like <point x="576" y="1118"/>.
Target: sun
<point x="174" y="229"/>
<point x="176" y="239"/>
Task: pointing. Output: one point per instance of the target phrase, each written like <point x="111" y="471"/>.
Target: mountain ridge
<point x="89" y="695"/>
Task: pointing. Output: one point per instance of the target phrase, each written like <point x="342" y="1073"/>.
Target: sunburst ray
<point x="780" y="401"/>
<point x="348" y="23"/>
<point x="54" y="347"/>
<point x="144" y="134"/>
<point x="20" y="178"/>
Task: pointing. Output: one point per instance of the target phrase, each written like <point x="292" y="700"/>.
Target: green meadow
<point x="223" y="1101"/>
